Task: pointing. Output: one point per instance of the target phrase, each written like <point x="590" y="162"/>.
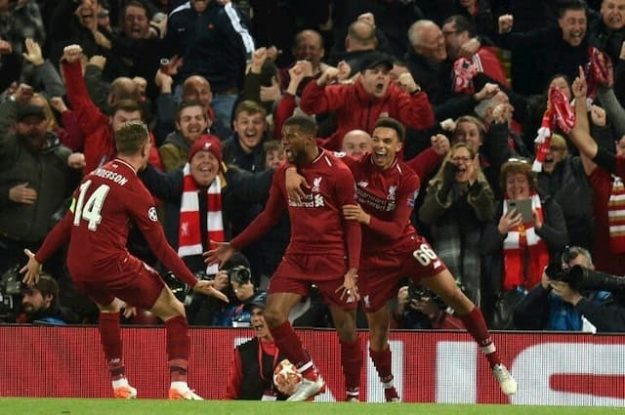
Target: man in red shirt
<point x="324" y="250"/>
<point x="358" y="105"/>
<point x="96" y="227"/>
<point x="392" y="249"/>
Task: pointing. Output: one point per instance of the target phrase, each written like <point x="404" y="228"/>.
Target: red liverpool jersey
<point x="97" y="225"/>
<point x="317" y="223"/>
<point x="388" y="196"/>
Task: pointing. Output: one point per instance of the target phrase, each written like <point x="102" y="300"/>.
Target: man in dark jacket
<point x="432" y="69"/>
<point x="560" y="49"/>
<point x="213" y="42"/>
<point x="34" y="182"/>
<point x="186" y="193"/>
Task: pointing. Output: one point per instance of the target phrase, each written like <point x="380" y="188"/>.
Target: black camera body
<point x="418" y="293"/>
<point x="10" y="292"/>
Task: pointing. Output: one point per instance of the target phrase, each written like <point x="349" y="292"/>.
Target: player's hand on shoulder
<point x="296" y="185"/>
<point x="206" y="287"/>
<point x="221" y="252"/>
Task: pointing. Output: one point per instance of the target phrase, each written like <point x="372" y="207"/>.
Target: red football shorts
<point x="136" y="283"/>
<point x="296" y="273"/>
<point x="380" y="273"/>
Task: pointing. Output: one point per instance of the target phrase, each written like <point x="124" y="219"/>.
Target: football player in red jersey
<point x="96" y="227"/>
<point x="392" y="249"/>
<point x="324" y="250"/>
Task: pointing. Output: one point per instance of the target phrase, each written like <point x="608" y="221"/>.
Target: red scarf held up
<point x="558" y="114"/>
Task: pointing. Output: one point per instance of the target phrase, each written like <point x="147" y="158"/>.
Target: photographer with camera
<point x="40" y="304"/>
<point x="234" y="280"/>
<point x="606" y="316"/>
<point x="544" y="309"/>
<point x="420" y="308"/>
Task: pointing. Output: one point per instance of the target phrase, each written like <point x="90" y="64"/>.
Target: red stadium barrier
<point x="430" y="366"/>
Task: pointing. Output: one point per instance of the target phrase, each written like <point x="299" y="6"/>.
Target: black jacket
<point x="253" y="382"/>
<point x="210" y="44"/>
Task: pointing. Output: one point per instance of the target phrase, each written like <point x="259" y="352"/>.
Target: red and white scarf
<point x="558" y="114"/>
<point x="189" y="234"/>
<point x="616" y="216"/>
<point x="463" y="72"/>
<point x="525" y="253"/>
<point x="598" y="71"/>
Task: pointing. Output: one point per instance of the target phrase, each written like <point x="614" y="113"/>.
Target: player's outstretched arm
<point x="206" y="287"/>
<point x="220" y="254"/>
<point x="58" y="236"/>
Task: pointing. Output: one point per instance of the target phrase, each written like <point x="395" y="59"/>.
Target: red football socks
<point x="382" y="362"/>
<point x="178" y="348"/>
<point x="351" y="360"/>
<point x="111" y="338"/>
<point x="476" y="326"/>
<point x="289" y="344"/>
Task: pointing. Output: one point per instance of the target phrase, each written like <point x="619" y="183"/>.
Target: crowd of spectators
<point x="474" y="82"/>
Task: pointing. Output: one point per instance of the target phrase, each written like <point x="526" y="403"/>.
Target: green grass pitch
<point x="41" y="406"/>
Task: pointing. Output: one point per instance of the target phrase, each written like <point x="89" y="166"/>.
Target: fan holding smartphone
<point x="530" y="227"/>
<point x="522" y="207"/>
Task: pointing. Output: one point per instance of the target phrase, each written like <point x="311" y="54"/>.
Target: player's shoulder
<point x="407" y="175"/>
<point x="335" y="160"/>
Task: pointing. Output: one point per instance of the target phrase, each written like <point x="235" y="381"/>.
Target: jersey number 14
<point x="90" y="210"/>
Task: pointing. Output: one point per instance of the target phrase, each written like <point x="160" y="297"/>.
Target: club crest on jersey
<point x="152" y="215"/>
<point x="316" y="184"/>
<point x="392" y="194"/>
<point x="363" y="183"/>
<point x="392" y="191"/>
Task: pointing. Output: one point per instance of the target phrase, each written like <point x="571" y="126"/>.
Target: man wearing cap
<point x="33" y="183"/>
<point x="359" y="105"/>
<point x="253" y="363"/>
<point x="199" y="196"/>
<point x="40" y="304"/>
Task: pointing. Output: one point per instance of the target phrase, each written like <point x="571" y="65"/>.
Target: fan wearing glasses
<point x="458" y="204"/>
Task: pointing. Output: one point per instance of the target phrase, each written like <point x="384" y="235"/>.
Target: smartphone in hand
<point x="524" y="207"/>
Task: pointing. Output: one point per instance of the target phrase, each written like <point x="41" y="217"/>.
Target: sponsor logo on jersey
<point x="309" y="201"/>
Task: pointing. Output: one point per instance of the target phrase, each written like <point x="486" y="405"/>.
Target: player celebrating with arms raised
<point x="321" y="240"/>
<point x="392" y="249"/>
<point x="97" y="225"/>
